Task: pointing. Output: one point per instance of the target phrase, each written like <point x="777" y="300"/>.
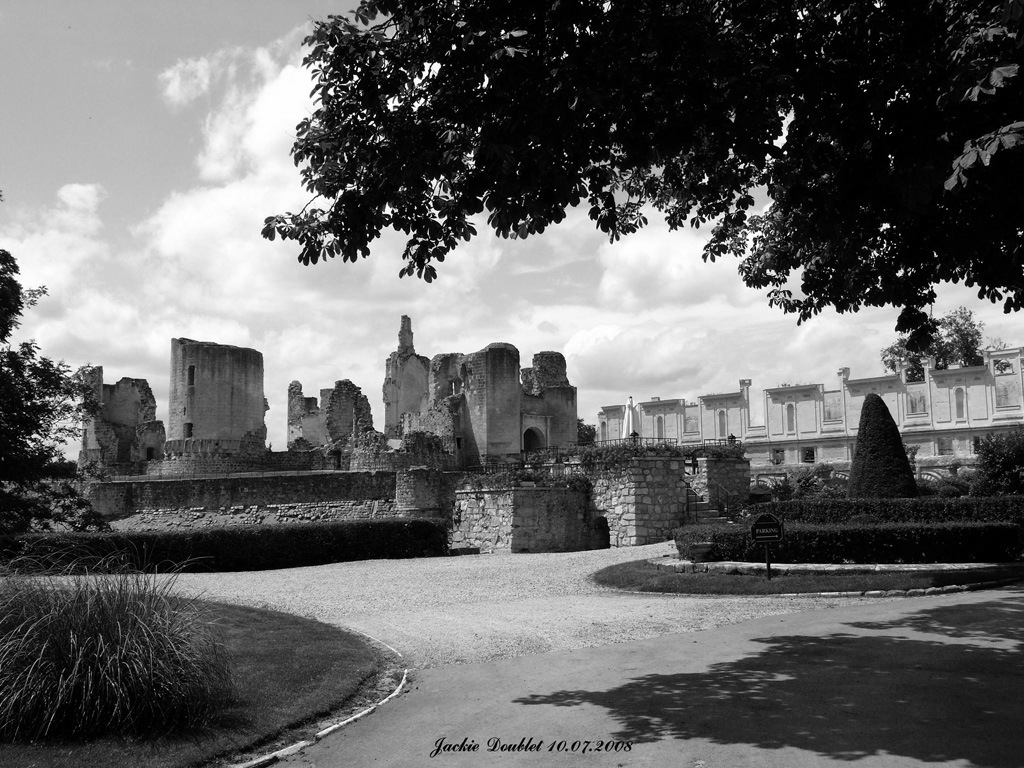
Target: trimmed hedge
<point x="880" y="468"/>
<point x="959" y="542"/>
<point x="928" y="509"/>
<point x="245" y="548"/>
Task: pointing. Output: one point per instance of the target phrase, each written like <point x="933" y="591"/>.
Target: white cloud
<point x="58" y="246"/>
<point x="657" y="266"/>
<point x="186" y="81"/>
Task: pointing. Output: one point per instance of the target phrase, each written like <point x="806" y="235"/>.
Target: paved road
<point x="935" y="681"/>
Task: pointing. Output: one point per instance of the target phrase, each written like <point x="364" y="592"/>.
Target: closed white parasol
<point x="630" y="421"/>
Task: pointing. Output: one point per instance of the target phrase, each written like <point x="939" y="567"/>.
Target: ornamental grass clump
<point x="88" y="655"/>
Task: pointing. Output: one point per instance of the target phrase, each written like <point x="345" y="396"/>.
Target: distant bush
<point x="933" y="508"/>
<point x="967" y="542"/>
<point x="241" y="548"/>
<point x="814" y="481"/>
<point x="950" y="487"/>
<point x="1001" y="463"/>
<point x="880" y="467"/>
<point x="85" y="656"/>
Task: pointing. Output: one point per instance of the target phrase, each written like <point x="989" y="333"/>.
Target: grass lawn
<point x="288" y="671"/>
<point x="641" y="576"/>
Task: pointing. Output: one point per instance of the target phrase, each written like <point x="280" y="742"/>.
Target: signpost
<point x="766" y="529"/>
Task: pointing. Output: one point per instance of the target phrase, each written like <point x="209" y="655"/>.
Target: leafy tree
<point x="41" y="402"/>
<point x="957" y="341"/>
<point x="1000" y="467"/>
<point x="850" y="114"/>
<point x="585" y="433"/>
<point x="880" y="467"/>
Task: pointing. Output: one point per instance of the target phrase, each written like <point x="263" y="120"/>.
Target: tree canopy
<point x="585" y="433"/>
<point x="887" y="135"/>
<point x="957" y="341"/>
<point x="41" y="402"/>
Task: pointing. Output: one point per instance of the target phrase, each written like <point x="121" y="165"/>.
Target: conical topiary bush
<point x="880" y="468"/>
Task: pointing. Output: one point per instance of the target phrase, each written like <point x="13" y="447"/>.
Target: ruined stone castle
<point x="210" y="467"/>
<point x="481" y="406"/>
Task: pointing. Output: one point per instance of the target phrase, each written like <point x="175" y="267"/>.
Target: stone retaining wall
<point x="261" y="514"/>
<point x="523" y="519"/>
<point x="643" y="501"/>
<point x="120" y="499"/>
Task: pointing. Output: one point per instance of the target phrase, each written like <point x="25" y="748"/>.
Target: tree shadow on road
<point x="942" y="684"/>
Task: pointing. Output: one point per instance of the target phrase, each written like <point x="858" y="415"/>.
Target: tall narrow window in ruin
<point x="790" y="417"/>
<point x="723" y="427"/>
<point x="659" y="428"/>
<point x="191" y="375"/>
<point x="958" y="397"/>
<point x="188" y="430"/>
<point x="604" y="431"/>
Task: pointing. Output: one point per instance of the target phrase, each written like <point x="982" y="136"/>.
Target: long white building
<point x="944" y="416"/>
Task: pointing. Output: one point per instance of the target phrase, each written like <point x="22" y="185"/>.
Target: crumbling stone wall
<point x="492" y="402"/>
<point x="216" y="394"/>
<point x="125" y="428"/>
<point x="643" y="501"/>
<point x="549" y="370"/>
<point x="120" y="499"/>
<point x="341" y="412"/>
<point x="480" y="403"/>
<point x="523" y="520"/>
<point x="304" y="418"/>
<point x="426" y="492"/>
<point x="444" y="419"/>
<point x="405" y="381"/>
<point x="445" y="376"/>
<point x="348" y="411"/>
<point x="549" y="401"/>
<point x="256" y="514"/>
<point x="210" y="463"/>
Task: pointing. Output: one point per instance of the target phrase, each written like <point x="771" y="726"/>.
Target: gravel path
<point x="454" y="610"/>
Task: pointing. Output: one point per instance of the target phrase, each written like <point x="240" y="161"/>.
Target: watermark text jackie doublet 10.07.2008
<point x="443" y="746"/>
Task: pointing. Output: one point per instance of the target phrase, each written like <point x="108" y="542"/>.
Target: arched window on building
<point x="659" y="427"/>
<point x="790" y="417"/>
<point x="960" y="403"/>
<point x="723" y="427"/>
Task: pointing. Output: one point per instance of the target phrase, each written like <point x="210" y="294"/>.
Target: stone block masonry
<point x="191" y="518"/>
<point x="523" y="520"/>
<point x="338" y="491"/>
<point x="216" y="394"/>
<point x="643" y="500"/>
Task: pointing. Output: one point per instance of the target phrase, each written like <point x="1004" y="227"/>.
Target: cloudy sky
<point x="143" y="144"/>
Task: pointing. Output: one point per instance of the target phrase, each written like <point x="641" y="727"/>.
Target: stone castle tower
<point x="405" y="381"/>
<point x="216" y="400"/>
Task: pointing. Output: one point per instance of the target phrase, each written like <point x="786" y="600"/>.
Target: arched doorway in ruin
<point x="533" y="440"/>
